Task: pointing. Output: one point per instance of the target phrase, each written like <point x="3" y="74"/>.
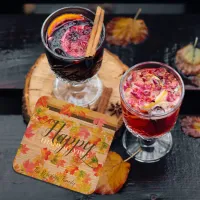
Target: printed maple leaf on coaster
<point x="71" y="169"/>
<point x="28" y="134"/>
<point x="42" y="101"/>
<point x="191" y="126"/>
<point x="99" y="122"/>
<point x="28" y="166"/>
<point x="56" y="159"/>
<point x="70" y="109"/>
<point x="51" y="135"/>
<point x="94" y="139"/>
<point x="23" y="148"/>
<point x="45" y="153"/>
<point x="84" y="132"/>
<point x="98" y="170"/>
<point x="60" y="163"/>
<point x="113" y="175"/>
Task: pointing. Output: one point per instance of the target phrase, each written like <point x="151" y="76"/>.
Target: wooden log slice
<point x="39" y="82"/>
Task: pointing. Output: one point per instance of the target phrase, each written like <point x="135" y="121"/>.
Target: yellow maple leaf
<point x="114" y="174"/>
<point x="122" y="31"/>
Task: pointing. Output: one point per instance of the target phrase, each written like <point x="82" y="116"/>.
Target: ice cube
<point x="157" y="110"/>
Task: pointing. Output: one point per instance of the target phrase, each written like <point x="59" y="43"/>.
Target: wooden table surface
<point x="177" y="176"/>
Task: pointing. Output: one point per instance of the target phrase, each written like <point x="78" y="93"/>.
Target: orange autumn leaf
<point x="50" y="179"/>
<point x="43" y="119"/>
<point x="94" y="139"/>
<point x="84" y="132"/>
<point x="71" y="169"/>
<point x="87" y="179"/>
<point x="67" y="109"/>
<point x="42" y="101"/>
<point x="122" y="31"/>
<point x="45" y="153"/>
<point x="29" y="166"/>
<point x="98" y="170"/>
<point x="51" y="135"/>
<point x="68" y="123"/>
<point x="16" y="167"/>
<point x="62" y="18"/>
<point x="99" y="122"/>
<point x="114" y="174"/>
<point x="23" y="148"/>
<point x="60" y="163"/>
<point x="29" y="133"/>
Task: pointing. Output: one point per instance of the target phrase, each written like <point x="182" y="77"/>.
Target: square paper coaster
<point x="65" y="145"/>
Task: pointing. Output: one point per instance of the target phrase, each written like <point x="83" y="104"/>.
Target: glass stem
<point x="76" y="88"/>
<point x="146" y="142"/>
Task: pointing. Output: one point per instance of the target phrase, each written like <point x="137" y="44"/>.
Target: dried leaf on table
<point x="191" y="126"/>
<point x="114" y="174"/>
<point x="122" y="31"/>
<point x="188" y="60"/>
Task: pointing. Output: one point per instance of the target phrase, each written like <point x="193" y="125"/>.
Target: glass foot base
<point x="152" y="150"/>
<point x="84" y="95"/>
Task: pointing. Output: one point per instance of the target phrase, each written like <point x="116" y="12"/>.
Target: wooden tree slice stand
<point x="39" y="82"/>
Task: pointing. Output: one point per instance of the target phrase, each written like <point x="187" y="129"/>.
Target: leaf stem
<point x="195" y="42"/>
<point x="137" y="14"/>
<point x="139" y="150"/>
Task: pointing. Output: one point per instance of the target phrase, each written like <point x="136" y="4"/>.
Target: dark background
<point x="190" y="7"/>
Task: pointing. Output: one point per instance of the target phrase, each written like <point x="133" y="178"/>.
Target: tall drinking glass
<point x="65" y="34"/>
<point x="151" y="96"/>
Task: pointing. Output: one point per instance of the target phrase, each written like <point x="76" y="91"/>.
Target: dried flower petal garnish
<point x="152" y="90"/>
<point x="122" y="31"/>
<point x="191" y="126"/>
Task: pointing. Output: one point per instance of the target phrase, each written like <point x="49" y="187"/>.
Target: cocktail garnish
<point x="158" y="99"/>
<point x="115" y="109"/>
<point x="59" y="20"/>
<point x="95" y="33"/>
<point x="152" y="88"/>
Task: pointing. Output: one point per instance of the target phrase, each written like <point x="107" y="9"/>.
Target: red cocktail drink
<point x="65" y="36"/>
<point x="151" y="96"/>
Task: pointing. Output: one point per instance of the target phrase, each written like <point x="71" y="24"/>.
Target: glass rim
<point x="148" y="116"/>
<point x="63" y="57"/>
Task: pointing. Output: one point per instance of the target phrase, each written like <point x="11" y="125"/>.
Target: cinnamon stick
<point x="98" y="34"/>
<point x="94" y="36"/>
<point x="104" y="100"/>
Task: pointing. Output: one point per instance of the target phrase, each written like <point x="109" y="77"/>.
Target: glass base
<point x="152" y="150"/>
<point x="84" y="94"/>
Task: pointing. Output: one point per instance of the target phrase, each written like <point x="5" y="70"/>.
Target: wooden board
<point x="40" y="79"/>
<point x="65" y="145"/>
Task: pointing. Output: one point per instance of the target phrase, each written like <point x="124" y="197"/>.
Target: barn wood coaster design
<point x="65" y="145"/>
<point x="40" y="79"/>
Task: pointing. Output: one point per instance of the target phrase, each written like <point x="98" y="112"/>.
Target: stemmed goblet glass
<point x="150" y="130"/>
<point x="76" y="77"/>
